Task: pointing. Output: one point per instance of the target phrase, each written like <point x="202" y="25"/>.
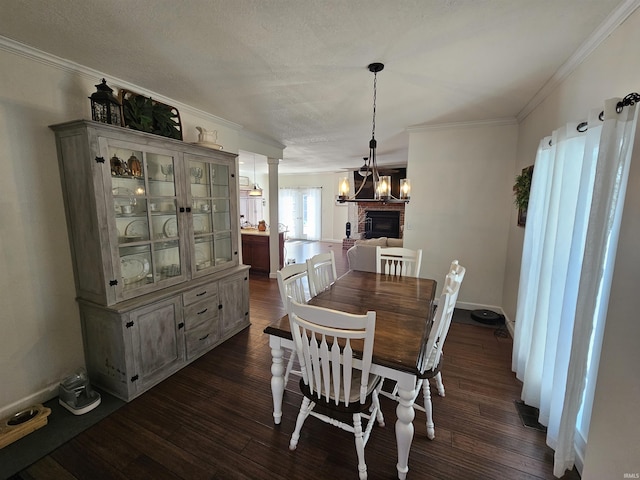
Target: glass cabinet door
<point x="211" y="216"/>
<point x="144" y="203"/>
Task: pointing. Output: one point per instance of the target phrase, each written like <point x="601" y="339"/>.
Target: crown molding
<point x="68" y="66"/>
<point x="606" y="28"/>
<point x="493" y="122"/>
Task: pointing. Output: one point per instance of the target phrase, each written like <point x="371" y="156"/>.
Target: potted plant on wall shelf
<point x="521" y="191"/>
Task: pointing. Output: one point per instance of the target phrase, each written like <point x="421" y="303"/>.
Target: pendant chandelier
<point x="369" y="171"/>
<point x="256" y="191"/>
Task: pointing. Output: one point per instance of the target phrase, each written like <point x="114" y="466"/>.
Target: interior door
<point x="300" y="211"/>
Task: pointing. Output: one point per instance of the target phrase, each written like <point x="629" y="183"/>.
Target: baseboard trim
<point x="479" y="306"/>
<point x="40" y="396"/>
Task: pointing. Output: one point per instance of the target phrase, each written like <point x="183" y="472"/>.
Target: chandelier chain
<point x="375" y="81"/>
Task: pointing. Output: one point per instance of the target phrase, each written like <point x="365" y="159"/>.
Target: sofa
<point x="362" y="256"/>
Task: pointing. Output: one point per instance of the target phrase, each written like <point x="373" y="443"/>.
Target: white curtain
<point x="575" y="205"/>
<point x="300" y="210"/>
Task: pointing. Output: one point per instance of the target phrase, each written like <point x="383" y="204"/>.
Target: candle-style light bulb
<point x="343" y="188"/>
<point x="405" y="188"/>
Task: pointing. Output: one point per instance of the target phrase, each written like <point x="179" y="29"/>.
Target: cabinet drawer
<point x="202" y="338"/>
<point x="198" y="313"/>
<point x="200" y="293"/>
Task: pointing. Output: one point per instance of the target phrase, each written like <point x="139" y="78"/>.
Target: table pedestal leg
<point x="277" y="381"/>
<point x="404" y="427"/>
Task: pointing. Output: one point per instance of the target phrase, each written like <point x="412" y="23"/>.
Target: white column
<point x="274" y="235"/>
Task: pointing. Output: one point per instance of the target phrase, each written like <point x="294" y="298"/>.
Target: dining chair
<point x="430" y="362"/>
<point x="398" y="261"/>
<point x="457" y="271"/>
<point x="321" y="270"/>
<point x="332" y="376"/>
<point x="293" y="281"/>
<point x="452" y="283"/>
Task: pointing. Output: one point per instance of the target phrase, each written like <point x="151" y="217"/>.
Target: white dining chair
<point x="321" y="269"/>
<point x="456" y="271"/>
<point x="430" y="363"/>
<point x="452" y="283"/>
<point x="332" y="376"/>
<point x="398" y="261"/>
<point x="293" y="281"/>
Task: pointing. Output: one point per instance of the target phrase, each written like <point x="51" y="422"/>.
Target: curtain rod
<point x="627" y="101"/>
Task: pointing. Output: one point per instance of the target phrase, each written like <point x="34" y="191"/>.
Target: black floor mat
<point x="61" y="427"/>
<point x="529" y="416"/>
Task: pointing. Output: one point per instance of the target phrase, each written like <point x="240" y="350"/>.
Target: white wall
<point x="612" y="70"/>
<point x="41" y="340"/>
<point x="461" y="200"/>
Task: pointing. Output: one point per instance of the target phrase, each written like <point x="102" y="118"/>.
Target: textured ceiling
<point x="296" y="71"/>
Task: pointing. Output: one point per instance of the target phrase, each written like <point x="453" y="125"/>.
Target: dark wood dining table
<point x="404" y="309"/>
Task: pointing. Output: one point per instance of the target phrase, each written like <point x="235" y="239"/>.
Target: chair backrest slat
<point x="321" y="270"/>
<point x="293" y="282"/>
<point x="327" y="370"/>
<point x="398" y="261"/>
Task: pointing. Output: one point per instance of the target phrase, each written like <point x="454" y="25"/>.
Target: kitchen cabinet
<point x="255" y="250"/>
<point x="153" y="231"/>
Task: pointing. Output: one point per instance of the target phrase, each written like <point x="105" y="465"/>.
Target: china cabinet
<point x="153" y="231"/>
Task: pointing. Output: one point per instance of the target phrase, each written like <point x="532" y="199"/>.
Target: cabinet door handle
<point x="204" y="337"/>
<point x="181" y="209"/>
<point x="188" y="209"/>
<point x="200" y="294"/>
<point x="200" y="313"/>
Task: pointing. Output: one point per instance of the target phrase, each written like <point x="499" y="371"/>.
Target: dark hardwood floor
<point x="213" y="420"/>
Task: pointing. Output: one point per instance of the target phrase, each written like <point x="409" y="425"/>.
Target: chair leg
<point x="426" y="392"/>
<point x="376" y="405"/>
<point x="292" y="357"/>
<point x="439" y="384"/>
<point x="357" y="432"/>
<point x="305" y="410"/>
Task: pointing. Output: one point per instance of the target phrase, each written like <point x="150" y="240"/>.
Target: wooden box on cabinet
<point x="153" y="230"/>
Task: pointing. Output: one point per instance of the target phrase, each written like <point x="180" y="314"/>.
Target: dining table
<point x="404" y="311"/>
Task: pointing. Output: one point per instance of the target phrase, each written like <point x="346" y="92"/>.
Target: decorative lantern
<point x="105" y="107"/>
<point x="343" y="188"/>
<point x="384" y="187"/>
<point x="405" y="189"/>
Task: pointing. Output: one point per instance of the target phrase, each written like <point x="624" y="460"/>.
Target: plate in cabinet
<point x="137" y="228"/>
<point x="170" y="228"/>
<point x="134" y="268"/>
